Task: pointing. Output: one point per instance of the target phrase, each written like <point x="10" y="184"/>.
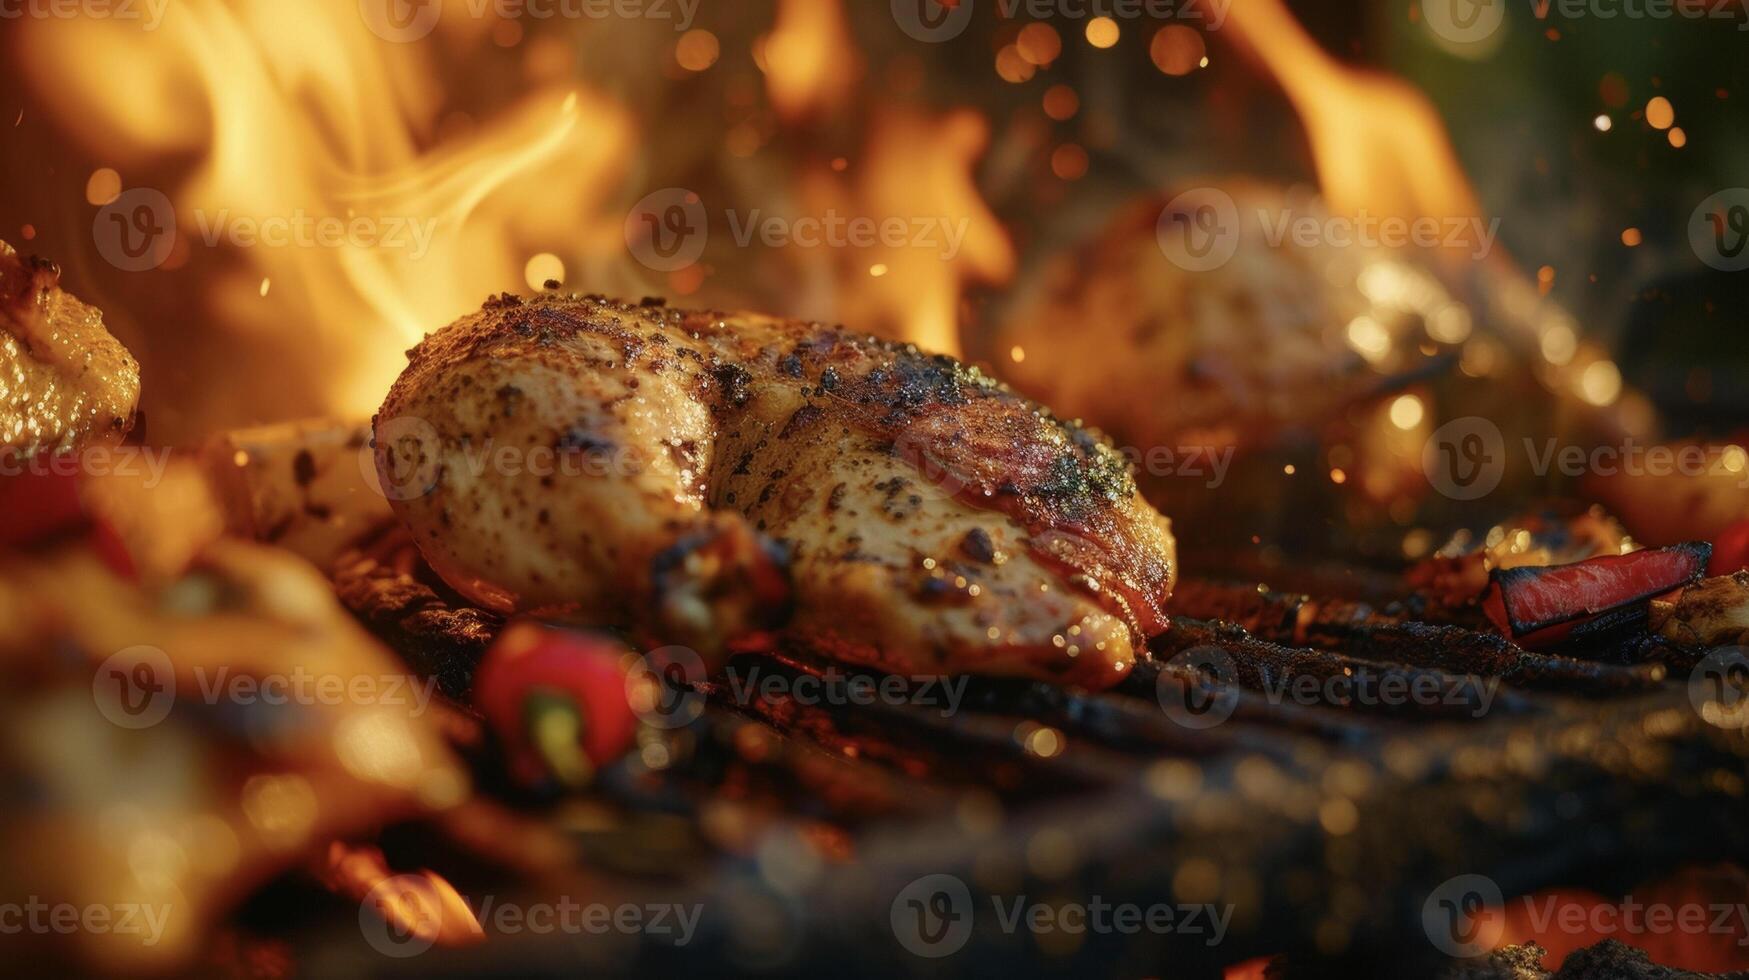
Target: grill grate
<point x="1323" y="821"/>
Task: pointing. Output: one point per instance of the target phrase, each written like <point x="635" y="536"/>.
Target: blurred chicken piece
<point x="64" y="381"/>
<point x="701" y="465"/>
<point x="184" y="738"/>
<point x="1165" y="344"/>
<point x="1694" y="491"/>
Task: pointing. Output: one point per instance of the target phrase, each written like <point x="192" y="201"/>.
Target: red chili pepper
<point x="47" y="502"/>
<point x="1730" y="550"/>
<point x="38" y="505"/>
<point x="1542" y="605"/>
<point x="557" y="700"/>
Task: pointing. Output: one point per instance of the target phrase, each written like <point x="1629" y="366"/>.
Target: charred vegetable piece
<point x="557" y="700"/>
<point x="1710" y="613"/>
<point x="1537" y="606"/>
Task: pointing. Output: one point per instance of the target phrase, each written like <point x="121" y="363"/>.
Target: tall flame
<point x="311" y="117"/>
<point x="917" y="168"/>
<point x="1377" y="143"/>
<point x="267" y="111"/>
<point x="1379" y="146"/>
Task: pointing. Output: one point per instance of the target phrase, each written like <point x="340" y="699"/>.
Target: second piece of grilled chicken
<point x="698" y="475"/>
<point x="64" y="381"/>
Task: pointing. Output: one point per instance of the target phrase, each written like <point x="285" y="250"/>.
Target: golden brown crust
<point x="64" y="381"/>
<point x="876" y="465"/>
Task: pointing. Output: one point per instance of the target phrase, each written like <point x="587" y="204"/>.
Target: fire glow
<point x="314" y="122"/>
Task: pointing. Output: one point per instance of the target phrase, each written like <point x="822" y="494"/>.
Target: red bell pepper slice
<point x="1539" y="605"/>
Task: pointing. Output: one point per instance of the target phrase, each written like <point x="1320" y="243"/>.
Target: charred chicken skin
<point x="698" y="476"/>
<point x="64" y="381"/>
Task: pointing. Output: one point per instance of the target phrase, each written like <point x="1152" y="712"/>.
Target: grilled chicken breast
<point x="64" y="381"/>
<point x="696" y="476"/>
<point x="1199" y="323"/>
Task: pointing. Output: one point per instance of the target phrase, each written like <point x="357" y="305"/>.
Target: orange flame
<point x="808" y="59"/>
<point x="920" y="168"/>
<point x="309" y="117"/>
<point x="1378" y="144"/>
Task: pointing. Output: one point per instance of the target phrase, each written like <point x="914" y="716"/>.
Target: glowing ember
<point x="1660" y="114"/>
<point x="1178" y="50"/>
<point x="1102" y="32"/>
